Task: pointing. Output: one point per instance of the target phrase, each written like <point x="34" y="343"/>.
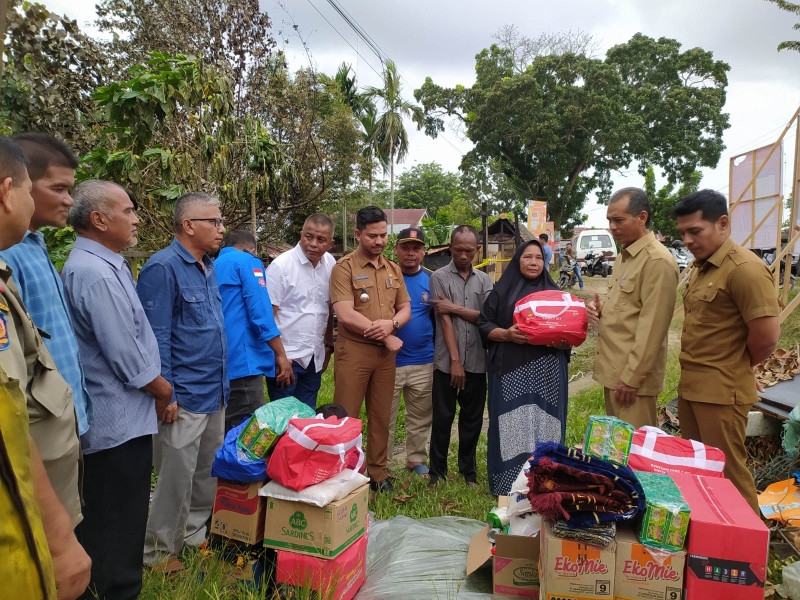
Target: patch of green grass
<point x="790" y="328"/>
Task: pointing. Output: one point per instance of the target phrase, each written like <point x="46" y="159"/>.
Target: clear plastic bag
<point x="423" y="559"/>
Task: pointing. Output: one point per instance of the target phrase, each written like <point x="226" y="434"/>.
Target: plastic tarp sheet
<point x="424" y="559"/>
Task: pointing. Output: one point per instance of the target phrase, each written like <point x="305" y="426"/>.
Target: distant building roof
<point x="503" y="227"/>
<point x="411" y="216"/>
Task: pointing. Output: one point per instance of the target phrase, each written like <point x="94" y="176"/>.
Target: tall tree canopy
<point x="561" y="127"/>
<point x="427" y="186"/>
<point x="792" y="8"/>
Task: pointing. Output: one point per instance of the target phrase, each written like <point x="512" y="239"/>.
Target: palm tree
<point x="390" y="137"/>
<point x="372" y="150"/>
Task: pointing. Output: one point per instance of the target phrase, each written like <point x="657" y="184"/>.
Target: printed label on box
<point x="724" y="571"/>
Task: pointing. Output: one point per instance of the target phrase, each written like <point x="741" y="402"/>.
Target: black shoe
<point x="471" y="480"/>
<point x="382" y="486"/>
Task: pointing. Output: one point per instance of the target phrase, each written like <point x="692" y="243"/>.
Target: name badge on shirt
<point x="260" y="274"/>
<point x="5" y="342"/>
<point x="360" y="277"/>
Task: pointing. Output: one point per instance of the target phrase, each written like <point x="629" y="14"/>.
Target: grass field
<point x="208" y="576"/>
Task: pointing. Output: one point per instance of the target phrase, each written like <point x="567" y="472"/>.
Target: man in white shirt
<point x="298" y="285"/>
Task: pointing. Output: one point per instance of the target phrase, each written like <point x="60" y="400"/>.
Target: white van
<point x="595" y="240"/>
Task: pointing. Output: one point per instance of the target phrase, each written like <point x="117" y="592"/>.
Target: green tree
<point x="792" y="8"/>
<point x="561" y="127"/>
<point x="390" y="136"/>
<point x="663" y="200"/>
<point x="427" y="186"/>
<point x="484" y="181"/>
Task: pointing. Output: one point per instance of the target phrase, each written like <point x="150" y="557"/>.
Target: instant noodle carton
<point x="608" y="438"/>
<point x="639" y="576"/>
<point x="666" y="519"/>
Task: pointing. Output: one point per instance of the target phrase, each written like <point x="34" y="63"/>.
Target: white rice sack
<point x="518" y="502"/>
<point x="319" y="494"/>
<point x="527" y="524"/>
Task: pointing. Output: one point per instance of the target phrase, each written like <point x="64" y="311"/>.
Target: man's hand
<point x="759" y="388"/>
<point x="593" y="309"/>
<point x="284" y="375"/>
<point x="392" y="343"/>
<point x="328" y="354"/>
<point x="443" y="306"/>
<point x="162" y="402"/>
<point x="458" y="378"/>
<point x="171" y="413"/>
<point x="513" y="334"/>
<point x="379" y="330"/>
<point x="72" y="567"/>
<point x="625" y="395"/>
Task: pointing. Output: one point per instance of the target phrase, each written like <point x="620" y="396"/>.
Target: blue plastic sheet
<point x="232" y="463"/>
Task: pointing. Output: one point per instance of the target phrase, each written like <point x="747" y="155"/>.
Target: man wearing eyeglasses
<point x="178" y="290"/>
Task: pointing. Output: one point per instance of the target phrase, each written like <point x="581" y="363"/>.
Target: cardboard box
<point x="640" y="577"/>
<point x="727" y="544"/>
<point x="324" y="531"/>
<point x="339" y="578"/>
<point x="573" y="571"/>
<point x="239" y="511"/>
<point x="666" y="518"/>
<point x="514" y="566"/>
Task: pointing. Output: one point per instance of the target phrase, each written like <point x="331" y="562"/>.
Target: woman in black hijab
<point x="527" y="383"/>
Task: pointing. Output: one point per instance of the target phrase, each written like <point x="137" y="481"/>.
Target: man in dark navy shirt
<point x="179" y="293"/>
<point x="414" y="374"/>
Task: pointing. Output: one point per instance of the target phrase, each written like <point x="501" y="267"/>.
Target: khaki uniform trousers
<point x="415" y="382"/>
<point x="722" y="426"/>
<point x="641" y="412"/>
<point x="364" y="373"/>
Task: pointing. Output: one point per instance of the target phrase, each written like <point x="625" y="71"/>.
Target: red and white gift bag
<point x="658" y="452"/>
<point x="551" y="316"/>
<point x="314" y="450"/>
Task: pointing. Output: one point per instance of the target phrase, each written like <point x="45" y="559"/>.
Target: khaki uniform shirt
<point x="53" y="424"/>
<point x="632" y="342"/>
<point x="385" y="286"/>
<point x="727" y="291"/>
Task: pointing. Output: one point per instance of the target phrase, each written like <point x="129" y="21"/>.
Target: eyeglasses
<point x="217" y="222"/>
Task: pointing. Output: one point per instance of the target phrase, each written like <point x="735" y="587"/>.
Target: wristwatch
<point x="396" y="324"/>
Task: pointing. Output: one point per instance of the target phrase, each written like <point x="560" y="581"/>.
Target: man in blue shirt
<point x="250" y="328"/>
<point x="51" y="169"/>
<point x="548" y="251"/>
<point x="414" y="374"/>
<point x="120" y="357"/>
<point x="179" y="293"/>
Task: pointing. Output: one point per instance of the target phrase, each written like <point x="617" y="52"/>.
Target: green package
<point x="608" y="438"/>
<point x="666" y="519"/>
<point x="268" y="423"/>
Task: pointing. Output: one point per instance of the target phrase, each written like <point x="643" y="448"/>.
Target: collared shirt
<point x="50" y="412"/>
<point x="43" y="294"/>
<point x="548" y="254"/>
<point x="184" y="306"/>
<point x="354" y="275"/>
<point x="417" y="334"/>
<point x="632" y="341"/>
<point x="732" y="287"/>
<point x="118" y="349"/>
<point x="249" y="324"/>
<point x="301" y="291"/>
<point x="470" y="293"/>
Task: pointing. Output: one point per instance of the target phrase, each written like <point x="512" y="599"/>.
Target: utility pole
<point x="485" y="228"/>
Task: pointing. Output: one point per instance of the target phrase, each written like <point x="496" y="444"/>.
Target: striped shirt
<point x="43" y="294"/>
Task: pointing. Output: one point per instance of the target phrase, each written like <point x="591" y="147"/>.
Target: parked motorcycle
<point x="681" y="255"/>
<point x="596" y="264"/>
<point x="768" y="256"/>
<point x="567" y="278"/>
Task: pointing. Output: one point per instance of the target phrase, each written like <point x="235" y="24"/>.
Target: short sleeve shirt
<point x="727" y="291"/>
<point x="354" y="275"/>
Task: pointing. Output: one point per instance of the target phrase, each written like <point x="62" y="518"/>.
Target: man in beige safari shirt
<point x="634" y="321"/>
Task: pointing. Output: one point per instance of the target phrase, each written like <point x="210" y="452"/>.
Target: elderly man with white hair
<point x="179" y="292"/>
<point x="119" y="354"/>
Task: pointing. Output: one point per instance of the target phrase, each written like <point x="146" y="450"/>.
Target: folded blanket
<point x="584" y="490"/>
<point x="598" y="535"/>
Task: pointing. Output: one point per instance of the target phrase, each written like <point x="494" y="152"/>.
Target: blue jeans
<point x="578" y="274"/>
<point x="305" y="388"/>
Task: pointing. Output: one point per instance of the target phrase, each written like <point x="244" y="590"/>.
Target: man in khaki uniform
<point x="731" y="325"/>
<point x="39" y="549"/>
<point x="634" y="321"/>
<point x="371" y="303"/>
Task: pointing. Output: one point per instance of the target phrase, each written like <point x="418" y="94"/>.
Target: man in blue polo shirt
<point x="414" y="374"/>
<point x="179" y="293"/>
<point x="250" y="328"/>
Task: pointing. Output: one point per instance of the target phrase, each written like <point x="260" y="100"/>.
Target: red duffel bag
<point x="551" y="316"/>
<point x="314" y="450"/>
<point x="658" y="452"/>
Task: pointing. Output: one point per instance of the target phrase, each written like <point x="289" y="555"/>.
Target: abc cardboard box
<point x="640" y="577"/>
<point x="238" y="511"/>
<point x="727" y="544"/>
<point x="324" y="531"/>
<point x="515" y="564"/>
<point x="573" y="571"/>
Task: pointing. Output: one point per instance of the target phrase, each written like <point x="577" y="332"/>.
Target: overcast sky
<point x="439" y="38"/>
